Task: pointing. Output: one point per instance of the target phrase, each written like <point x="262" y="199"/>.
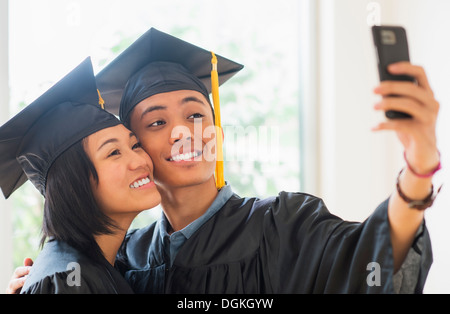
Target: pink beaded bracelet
<point x="427" y="175"/>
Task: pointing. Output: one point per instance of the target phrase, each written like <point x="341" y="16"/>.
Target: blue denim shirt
<point x="173" y="242"/>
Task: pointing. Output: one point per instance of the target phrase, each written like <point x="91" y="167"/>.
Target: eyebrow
<point x="152" y="108"/>
<point x="113" y="140"/>
<point x="192" y="98"/>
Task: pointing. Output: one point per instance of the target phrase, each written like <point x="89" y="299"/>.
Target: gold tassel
<point x="220" y="181"/>
<point x="101" y="102"/>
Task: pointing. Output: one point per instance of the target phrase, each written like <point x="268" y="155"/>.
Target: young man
<point x="213" y="241"/>
<point x="210" y="240"/>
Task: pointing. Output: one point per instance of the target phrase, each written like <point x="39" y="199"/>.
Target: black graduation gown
<point x="61" y="269"/>
<point x="285" y="244"/>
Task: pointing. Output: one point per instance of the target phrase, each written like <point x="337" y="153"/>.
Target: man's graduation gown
<point x="61" y="269"/>
<point x="285" y="244"/>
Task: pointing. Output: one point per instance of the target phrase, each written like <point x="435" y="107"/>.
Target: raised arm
<point x="422" y="158"/>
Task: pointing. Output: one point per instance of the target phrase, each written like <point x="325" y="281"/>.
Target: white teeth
<point x="139" y="183"/>
<point x="186" y="156"/>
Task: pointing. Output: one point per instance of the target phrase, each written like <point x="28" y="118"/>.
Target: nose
<point x="173" y="140"/>
<point x="179" y="133"/>
<point x="140" y="160"/>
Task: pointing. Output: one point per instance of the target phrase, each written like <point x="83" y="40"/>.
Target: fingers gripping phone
<point x="391" y="46"/>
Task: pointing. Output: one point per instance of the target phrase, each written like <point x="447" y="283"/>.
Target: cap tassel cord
<point x="101" y="102"/>
<point x="220" y="181"/>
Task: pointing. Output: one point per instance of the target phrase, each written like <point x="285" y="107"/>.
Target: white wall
<point x="5" y="216"/>
<point x="357" y="167"/>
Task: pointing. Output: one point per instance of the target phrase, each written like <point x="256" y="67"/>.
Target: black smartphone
<point x="391" y="46"/>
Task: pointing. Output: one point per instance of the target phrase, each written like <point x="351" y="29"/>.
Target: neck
<point x="110" y="243"/>
<point x="183" y="205"/>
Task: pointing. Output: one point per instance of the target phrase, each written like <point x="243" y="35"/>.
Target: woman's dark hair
<point x="71" y="213"/>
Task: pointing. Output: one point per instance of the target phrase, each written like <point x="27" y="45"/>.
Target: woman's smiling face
<point x="125" y="172"/>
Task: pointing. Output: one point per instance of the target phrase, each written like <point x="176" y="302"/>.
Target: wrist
<point x="419" y="196"/>
<point x="426" y="172"/>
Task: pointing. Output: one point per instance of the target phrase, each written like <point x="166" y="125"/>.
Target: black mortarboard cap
<point x="32" y="140"/>
<point x="156" y="63"/>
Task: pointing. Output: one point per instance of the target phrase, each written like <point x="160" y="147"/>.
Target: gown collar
<point x="222" y="197"/>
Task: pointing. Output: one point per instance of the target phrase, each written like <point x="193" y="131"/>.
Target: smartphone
<point x="391" y="46"/>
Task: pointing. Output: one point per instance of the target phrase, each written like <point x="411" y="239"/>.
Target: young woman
<point x="95" y="177"/>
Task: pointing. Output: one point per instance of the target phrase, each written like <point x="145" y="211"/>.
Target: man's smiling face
<point x="177" y="131"/>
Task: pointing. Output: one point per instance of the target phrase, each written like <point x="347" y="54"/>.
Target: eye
<point x="137" y="145"/>
<point x="196" y="116"/>
<point x="156" y="123"/>
<point x="115" y="152"/>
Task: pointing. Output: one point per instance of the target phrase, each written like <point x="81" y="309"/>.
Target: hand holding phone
<point x="391" y="46"/>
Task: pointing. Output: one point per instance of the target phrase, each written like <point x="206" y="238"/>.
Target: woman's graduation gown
<point x="61" y="269"/>
<point x="285" y="244"/>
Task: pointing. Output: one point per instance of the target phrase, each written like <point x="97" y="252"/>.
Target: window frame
<point x="6" y="247"/>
